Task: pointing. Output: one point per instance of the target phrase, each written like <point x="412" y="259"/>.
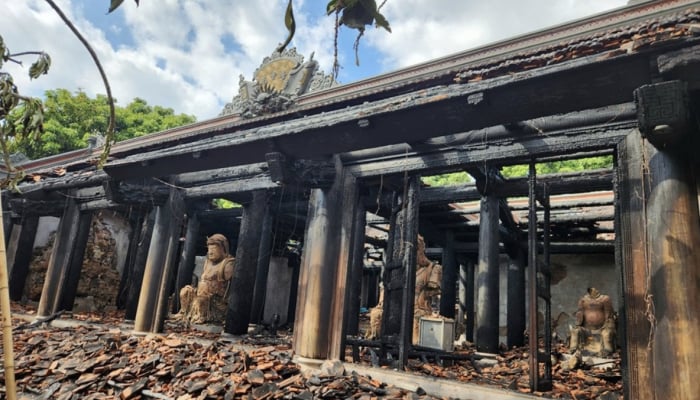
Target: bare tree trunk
<point x="9" y="359"/>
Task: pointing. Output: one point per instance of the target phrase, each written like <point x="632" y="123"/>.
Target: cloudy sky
<point x="188" y="54"/>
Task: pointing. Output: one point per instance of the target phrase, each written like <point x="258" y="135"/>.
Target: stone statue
<point x="595" y="325"/>
<point x="208" y="301"/>
<point x="427" y="292"/>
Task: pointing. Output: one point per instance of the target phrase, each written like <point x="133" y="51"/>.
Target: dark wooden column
<point x="347" y="243"/>
<point x="59" y="263"/>
<point x="135" y="221"/>
<point x="186" y="264"/>
<point x="176" y="210"/>
<point x="243" y="282"/>
<point x="137" y="265"/>
<point x="449" y="277"/>
<point x="516" y="299"/>
<point x="410" y="237"/>
<point x="157" y="269"/>
<point x="263" y="267"/>
<point x="316" y="275"/>
<point x="354" y="285"/>
<point x="487" y="277"/>
<point x="20" y="255"/>
<point x="659" y="238"/>
<point x="76" y="261"/>
<point x="466" y="296"/>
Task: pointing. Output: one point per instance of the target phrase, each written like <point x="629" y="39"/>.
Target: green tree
<point x="70" y="119"/>
<point x="454" y="178"/>
<point x="557" y="167"/>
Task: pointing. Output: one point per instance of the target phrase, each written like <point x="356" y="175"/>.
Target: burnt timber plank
<point x="503" y="152"/>
<point x="578" y="182"/>
<point x="584" y="83"/>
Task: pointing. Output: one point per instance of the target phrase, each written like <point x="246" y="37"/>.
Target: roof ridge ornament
<point x="277" y="82"/>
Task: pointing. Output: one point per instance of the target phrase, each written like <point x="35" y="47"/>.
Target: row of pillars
<point x="158" y="265"/>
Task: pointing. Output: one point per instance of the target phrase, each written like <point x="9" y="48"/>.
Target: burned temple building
<point x="316" y="166"/>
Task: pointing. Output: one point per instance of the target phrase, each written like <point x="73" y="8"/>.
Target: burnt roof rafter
<point x="579" y="84"/>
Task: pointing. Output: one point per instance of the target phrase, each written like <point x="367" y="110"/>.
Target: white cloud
<point x="188" y="54"/>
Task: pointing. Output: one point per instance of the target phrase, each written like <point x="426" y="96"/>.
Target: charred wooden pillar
<point x="20" y="254"/>
<point x="449" y="277"/>
<point x="243" y="281"/>
<point x="660" y="236"/>
<point x="142" y="240"/>
<point x="320" y="319"/>
<point x="354" y="285"/>
<point x="52" y="293"/>
<point x="135" y="224"/>
<point x="409" y="256"/>
<point x="157" y="269"/>
<point x="76" y="261"/>
<point x="263" y="267"/>
<point x="312" y="320"/>
<point x="487" y="317"/>
<point x="186" y="264"/>
<point x="347" y="243"/>
<point x="466" y="296"/>
<point x="516" y="299"/>
<point x="176" y="206"/>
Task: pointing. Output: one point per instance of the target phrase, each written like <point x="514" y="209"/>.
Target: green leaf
<point x="290" y="24"/>
<point x="331" y="7"/>
<point x="115" y="4"/>
<point x="40" y="66"/>
<point x="381" y="21"/>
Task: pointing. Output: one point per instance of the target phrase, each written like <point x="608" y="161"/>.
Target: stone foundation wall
<point x="100" y="277"/>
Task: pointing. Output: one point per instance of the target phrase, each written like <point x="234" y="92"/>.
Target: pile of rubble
<point x="96" y="356"/>
<point x="98" y="362"/>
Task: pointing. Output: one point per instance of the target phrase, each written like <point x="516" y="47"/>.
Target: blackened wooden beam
<point x="20" y="255"/>
<point x="263" y="266"/>
<point x="38" y="190"/>
<point x="24" y="206"/>
<point x="556" y="124"/>
<point x="59" y="261"/>
<point x="242" y="283"/>
<point x="578" y="182"/>
<point x="487" y="279"/>
<point x="137" y="191"/>
<point x="586" y="82"/>
<point x="449" y="277"/>
<point x="515" y="151"/>
<point x="137" y="265"/>
<point x="304" y="173"/>
<point x="240" y="187"/>
<point x="228" y="174"/>
<point x="682" y="65"/>
<point x="76" y="261"/>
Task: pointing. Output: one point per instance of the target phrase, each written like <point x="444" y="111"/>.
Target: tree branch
<point x="109" y="136"/>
